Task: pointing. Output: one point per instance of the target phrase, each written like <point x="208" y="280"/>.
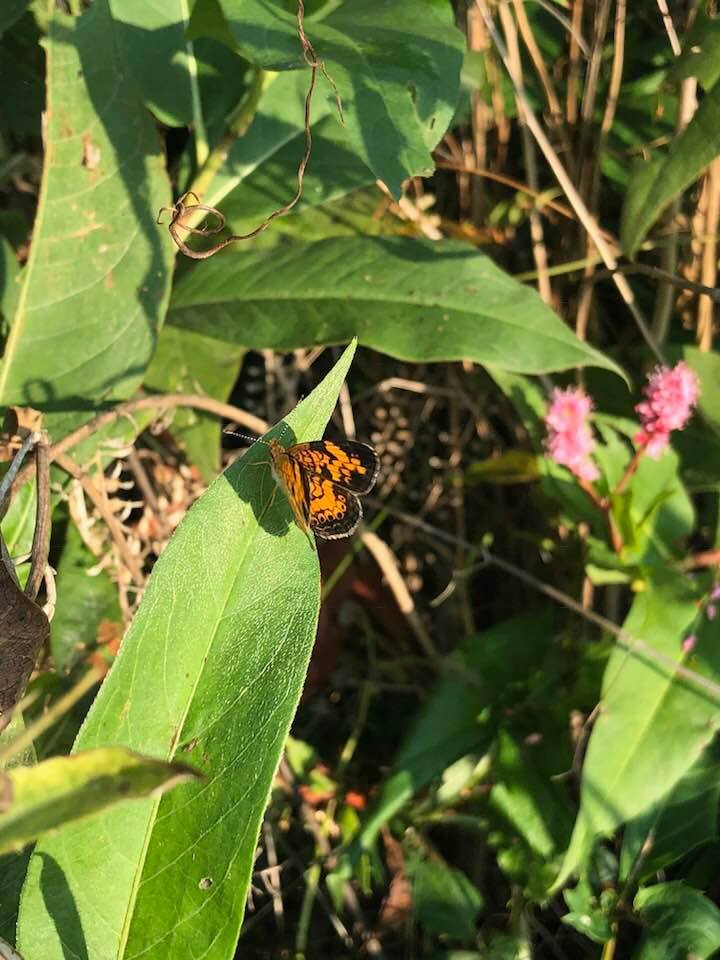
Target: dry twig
<point x="155" y="401"/>
<point x="103" y="508"/>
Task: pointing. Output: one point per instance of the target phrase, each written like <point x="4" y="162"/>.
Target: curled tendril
<point x="181" y="211"/>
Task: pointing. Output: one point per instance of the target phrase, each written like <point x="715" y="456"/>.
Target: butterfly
<point x="322" y="480"/>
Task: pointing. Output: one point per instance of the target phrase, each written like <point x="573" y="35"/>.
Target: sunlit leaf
<point x="412" y="299"/>
<point x="42" y="798"/>
<point x="211" y="673"/>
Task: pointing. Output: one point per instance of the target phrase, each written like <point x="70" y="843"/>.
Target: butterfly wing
<point x="334" y="510"/>
<point x="349" y="463"/>
<point x="295" y="483"/>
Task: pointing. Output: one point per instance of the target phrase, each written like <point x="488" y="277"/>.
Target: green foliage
<point x="678" y="922"/>
<point x="186" y="361"/>
<point x="37" y="800"/>
<point x="96" y="252"/>
<point x="671" y="722"/>
<point x="446" y="902"/>
<point x="397" y="73"/>
<point x="231" y="668"/>
<point x="409" y="298"/>
<point x="86" y="598"/>
<point x="658" y="181"/>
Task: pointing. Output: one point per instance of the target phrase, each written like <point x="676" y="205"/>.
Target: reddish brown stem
<point x="630" y="470"/>
<point x="602" y="503"/>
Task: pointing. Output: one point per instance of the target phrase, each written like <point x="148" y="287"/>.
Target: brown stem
<point x="706" y="558"/>
<point x="625" y="640"/>
<point x="41" y="535"/>
<point x="709" y="257"/>
<point x="154" y="401"/>
<point x="602" y="503"/>
<point x="713" y="293"/>
<point x="630" y="470"/>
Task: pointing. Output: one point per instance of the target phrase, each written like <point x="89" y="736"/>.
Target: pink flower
<point x="670" y="397"/>
<point x="570" y="441"/>
<point x="689" y="643"/>
<point x="715" y="592"/>
<point x="711" y="611"/>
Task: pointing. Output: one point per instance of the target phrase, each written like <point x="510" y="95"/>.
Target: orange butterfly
<point x="322" y="480"/>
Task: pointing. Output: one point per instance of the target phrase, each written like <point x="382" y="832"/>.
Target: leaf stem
<point x="201" y="142"/>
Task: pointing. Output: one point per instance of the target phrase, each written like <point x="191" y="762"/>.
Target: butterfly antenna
<point x="242" y="436"/>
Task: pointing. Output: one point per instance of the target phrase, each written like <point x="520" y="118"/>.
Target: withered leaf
<point x="17" y="424"/>
<point x="23" y="630"/>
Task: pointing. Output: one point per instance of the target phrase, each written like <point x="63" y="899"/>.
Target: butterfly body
<point x="322" y="480"/>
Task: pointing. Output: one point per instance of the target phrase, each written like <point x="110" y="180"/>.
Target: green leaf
<point x="675" y="827"/>
<point x="9" y="277"/>
<point x="39" y="799"/>
<point x="445" y="902"/>
<point x="83" y="601"/>
<point x="679" y="922"/>
<point x="396" y="69"/>
<point x="211" y="671"/>
<point x="527" y="800"/>
<point x="706" y="365"/>
<point x="183" y="81"/>
<point x="13" y="867"/>
<point x="95" y="286"/>
<point x="277" y="122"/>
<point x="656" y="182"/>
<point x="18" y="524"/>
<point x="652" y="726"/>
<point x="162" y="62"/>
<point x="700" y="57"/>
<point x="413" y="299"/>
<point x="189" y="362"/>
<point x="333" y="172"/>
<point x="587" y="915"/>
<point x="22" y="91"/>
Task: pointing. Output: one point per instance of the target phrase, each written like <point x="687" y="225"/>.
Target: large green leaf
<point x="658" y="181"/>
<point x="183" y="81"/>
<point x="396" y="67"/>
<point x="652" y="726"/>
<point x="277" y="122"/>
<point x="162" y="62"/>
<point x="679" y="922"/>
<point x="211" y="671"/>
<point x="525" y="797"/>
<point x="333" y="172"/>
<point x="36" y="800"/>
<point x="413" y="299"/>
<point x="96" y="283"/>
<point x="445" y="902"/>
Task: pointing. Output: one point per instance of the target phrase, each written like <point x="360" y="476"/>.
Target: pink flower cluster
<point x="670" y="397"/>
<point x="570" y="441"/>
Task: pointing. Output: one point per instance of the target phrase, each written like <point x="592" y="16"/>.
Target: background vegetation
<point x="494" y="709"/>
